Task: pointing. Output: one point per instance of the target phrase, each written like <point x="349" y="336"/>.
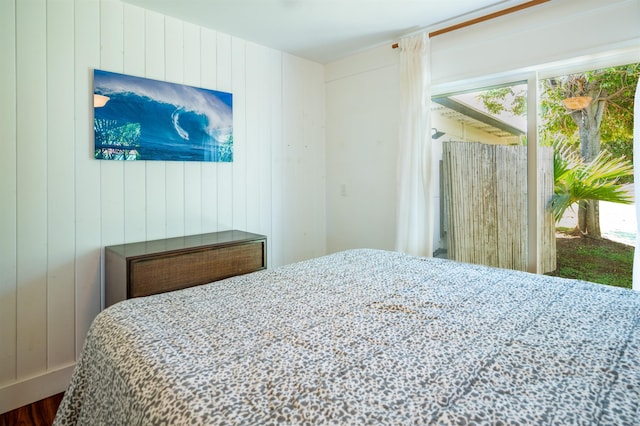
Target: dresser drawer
<point x="170" y="272"/>
<point x="157" y="266"/>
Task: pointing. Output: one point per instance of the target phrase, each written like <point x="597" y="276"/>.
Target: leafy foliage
<point x="115" y="140"/>
<point x="615" y="86"/>
<point x="622" y="149"/>
<point x="112" y="132"/>
<point x="576" y="180"/>
<point x="604" y="122"/>
<point x="225" y="150"/>
<point x="505" y="99"/>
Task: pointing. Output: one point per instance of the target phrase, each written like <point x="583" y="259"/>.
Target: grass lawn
<point x="598" y="260"/>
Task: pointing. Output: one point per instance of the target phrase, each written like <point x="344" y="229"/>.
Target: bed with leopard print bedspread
<point x="365" y="337"/>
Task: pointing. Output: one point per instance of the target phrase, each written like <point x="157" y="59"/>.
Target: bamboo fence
<point x="486" y="205"/>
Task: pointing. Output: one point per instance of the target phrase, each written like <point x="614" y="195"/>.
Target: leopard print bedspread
<point x="365" y="337"/>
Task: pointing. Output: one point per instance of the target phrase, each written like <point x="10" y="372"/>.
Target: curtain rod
<point x="483" y="18"/>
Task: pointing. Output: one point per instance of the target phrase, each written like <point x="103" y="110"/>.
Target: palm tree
<point x="577" y="180"/>
<point x="607" y="111"/>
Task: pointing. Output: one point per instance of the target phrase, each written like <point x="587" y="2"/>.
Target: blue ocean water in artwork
<point x="147" y="119"/>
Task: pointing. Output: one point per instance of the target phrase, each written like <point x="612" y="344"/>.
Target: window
<point x="495" y="184"/>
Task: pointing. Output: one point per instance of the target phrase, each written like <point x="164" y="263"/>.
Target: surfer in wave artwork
<point x="142" y="119"/>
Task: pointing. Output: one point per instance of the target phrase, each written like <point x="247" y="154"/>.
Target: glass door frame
<point x="532" y="76"/>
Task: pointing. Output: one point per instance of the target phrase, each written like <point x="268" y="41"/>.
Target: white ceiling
<point x="324" y="30"/>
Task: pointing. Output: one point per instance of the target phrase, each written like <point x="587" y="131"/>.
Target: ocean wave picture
<point x="142" y="119"/>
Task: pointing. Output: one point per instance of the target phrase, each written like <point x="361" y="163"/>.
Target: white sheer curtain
<point x="414" y="233"/>
<point x="636" y="185"/>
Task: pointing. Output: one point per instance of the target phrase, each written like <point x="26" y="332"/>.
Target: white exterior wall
<point x="60" y="207"/>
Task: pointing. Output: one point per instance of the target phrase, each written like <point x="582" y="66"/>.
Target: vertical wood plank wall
<point x="486" y="205"/>
<point x="60" y="207"/>
<point x="8" y="194"/>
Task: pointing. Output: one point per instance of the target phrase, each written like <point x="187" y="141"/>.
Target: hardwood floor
<point x="40" y="413"/>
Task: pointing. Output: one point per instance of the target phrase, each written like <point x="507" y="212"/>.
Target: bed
<point x="365" y="337"/>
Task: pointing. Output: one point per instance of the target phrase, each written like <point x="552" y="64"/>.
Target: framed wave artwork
<point x="142" y="119"/>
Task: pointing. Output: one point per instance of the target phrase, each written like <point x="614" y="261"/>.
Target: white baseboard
<point x="33" y="389"/>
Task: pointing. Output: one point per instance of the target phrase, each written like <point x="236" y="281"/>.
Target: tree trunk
<point x="589" y="218"/>
<point x="588" y="121"/>
<point x="582" y="216"/>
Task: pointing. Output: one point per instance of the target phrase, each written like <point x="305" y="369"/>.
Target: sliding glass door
<point x="482" y="138"/>
<point x="588" y="117"/>
<point x="518" y="162"/>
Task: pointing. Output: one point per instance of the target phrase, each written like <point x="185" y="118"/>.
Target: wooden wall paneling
<point x="111" y="36"/>
<point x="174" y="206"/>
<point x="270" y="120"/>
<point x="173" y="50"/>
<point x="134" y="171"/>
<point x="275" y="240"/>
<point x="87" y="171"/>
<point x="238" y="183"/>
<point x="263" y="148"/>
<point x="174" y="72"/>
<point x="193" y="198"/>
<point x="315" y="160"/>
<point x="155" y="200"/>
<point x="208" y="79"/>
<point x="156" y="173"/>
<point x="133" y="41"/>
<point x="60" y="182"/>
<point x="192" y="51"/>
<point x="304" y="159"/>
<point x="154" y="45"/>
<point x="54" y="239"/>
<point x="313" y="155"/>
<point x="292" y="116"/>
<point x="8" y="183"/>
<point x="225" y="171"/>
<point x="111" y="171"/>
<point x="192" y="169"/>
<point x="256" y="100"/>
<point x="303" y="100"/>
<point x="31" y="247"/>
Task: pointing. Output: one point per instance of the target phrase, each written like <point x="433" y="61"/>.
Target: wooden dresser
<point x="158" y="266"/>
